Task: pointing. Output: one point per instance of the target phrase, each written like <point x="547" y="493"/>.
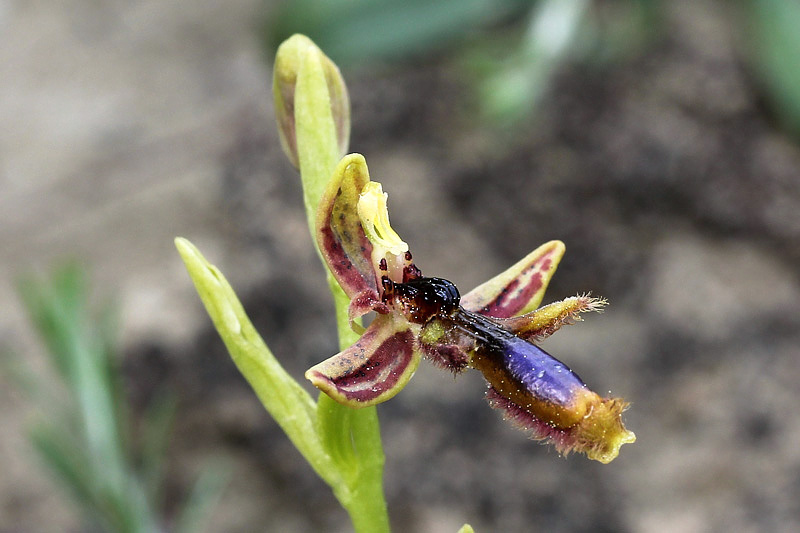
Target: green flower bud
<point x="298" y="56"/>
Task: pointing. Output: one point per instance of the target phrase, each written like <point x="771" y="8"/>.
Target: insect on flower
<point x="490" y="329"/>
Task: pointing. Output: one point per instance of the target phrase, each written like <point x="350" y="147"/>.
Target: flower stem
<point x="351" y="436"/>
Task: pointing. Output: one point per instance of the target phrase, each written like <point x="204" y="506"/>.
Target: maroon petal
<point x="519" y="289"/>
<point x="340" y="237"/>
<point x="374" y="369"/>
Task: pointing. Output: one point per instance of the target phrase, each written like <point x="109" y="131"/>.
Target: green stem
<point x="351" y="436"/>
<point x="367" y="507"/>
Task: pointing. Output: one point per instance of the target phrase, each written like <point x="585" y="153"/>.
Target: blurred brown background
<point x="655" y="144"/>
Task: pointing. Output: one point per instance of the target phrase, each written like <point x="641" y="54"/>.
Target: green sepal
<point x="543" y="322"/>
<point x="292" y="62"/>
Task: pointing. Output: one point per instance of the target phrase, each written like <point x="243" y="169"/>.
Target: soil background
<point x="124" y="124"/>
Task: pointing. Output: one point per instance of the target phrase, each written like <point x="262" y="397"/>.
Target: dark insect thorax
<point x="425" y="298"/>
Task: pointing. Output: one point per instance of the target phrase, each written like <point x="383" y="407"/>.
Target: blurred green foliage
<point x="86" y="438"/>
<point x="358" y="31"/>
<point x="774" y="49"/>
<point x="511" y="49"/>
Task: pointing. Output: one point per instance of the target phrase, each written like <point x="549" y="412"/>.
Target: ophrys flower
<point x="491" y="328"/>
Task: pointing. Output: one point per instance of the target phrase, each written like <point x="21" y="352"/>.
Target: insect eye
<point x="387" y="285"/>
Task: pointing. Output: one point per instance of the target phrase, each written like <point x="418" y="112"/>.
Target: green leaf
<point x="53" y="308"/>
<point x="157" y="430"/>
<point x="207" y="491"/>
<point x="58" y="309"/>
<point x="67" y="462"/>
<point x="288" y="403"/>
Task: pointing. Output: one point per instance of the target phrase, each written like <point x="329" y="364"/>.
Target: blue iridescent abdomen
<point x="518" y="369"/>
<point x="542" y="374"/>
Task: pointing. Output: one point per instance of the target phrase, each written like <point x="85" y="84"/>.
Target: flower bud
<point x="298" y="56"/>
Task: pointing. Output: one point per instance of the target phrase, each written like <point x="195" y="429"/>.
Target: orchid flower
<point x="490" y="329"/>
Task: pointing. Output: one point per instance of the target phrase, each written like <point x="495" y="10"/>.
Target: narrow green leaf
<point x="58" y="309"/>
<point x="37" y="299"/>
<point x="106" y="328"/>
<point x="66" y="462"/>
<point x="158" y="421"/>
<point x="288" y="403"/>
<point x="97" y="405"/>
<point x="206" y="492"/>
